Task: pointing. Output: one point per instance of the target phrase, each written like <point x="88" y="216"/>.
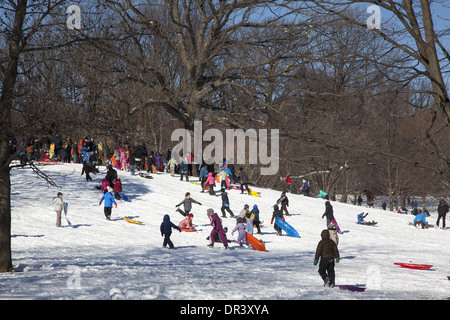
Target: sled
<point x="428" y="226"/>
<point x="254" y="193"/>
<point x="124" y="197"/>
<point x="255" y="243"/>
<point x="188" y="230"/>
<point x="132" y="221"/>
<point x="287" y="228"/>
<point x="368" y="223"/>
<point x="414" y="266"/>
<point x="352" y="288"/>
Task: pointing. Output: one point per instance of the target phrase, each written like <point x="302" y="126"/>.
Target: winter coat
<point x="59" y="204"/>
<point x="225" y="200"/>
<point x="216" y="222"/>
<point x="203" y="174"/>
<point x="361" y="217"/>
<point x="333" y="233"/>
<point x="442" y="208"/>
<point x="277" y="213"/>
<point x="328" y="211"/>
<point x="187" y="203"/>
<point x="105" y="184"/>
<point x="167" y="225"/>
<point x="240" y="228"/>
<point x="109" y="199"/>
<point x="186" y="223"/>
<point x="255" y="212"/>
<point x="158" y="160"/>
<point x="171" y="164"/>
<point x="183" y="167"/>
<point x="243" y="213"/>
<point x="111" y="175"/>
<point x="223" y="175"/>
<point x="211" y="179"/>
<point x="243" y="177"/>
<point x="118" y="186"/>
<point x="288" y="180"/>
<point x="326" y="249"/>
<point x="420" y="217"/>
<point x="283" y="200"/>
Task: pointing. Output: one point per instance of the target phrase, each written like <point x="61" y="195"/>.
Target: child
<point x="277" y="213"/>
<point x="58" y="207"/>
<point x="256" y="222"/>
<point x="166" y="231"/>
<point x="225" y="204"/>
<point x="217" y="228"/>
<point x="328" y="212"/>
<point x="420" y="221"/>
<point x="223" y="178"/>
<point x="305" y="187"/>
<point x="117" y="189"/>
<point x="186" y="223"/>
<point x="244" y="211"/>
<point x="327" y="251"/>
<point x="211" y="183"/>
<point x="187" y="204"/>
<point x="249" y="223"/>
<point x="333" y="233"/>
<point x="203" y="176"/>
<point x="284" y="201"/>
<point x="361" y="217"/>
<point x="109" y="200"/>
<point x="240" y="228"/>
<point x="288" y="182"/>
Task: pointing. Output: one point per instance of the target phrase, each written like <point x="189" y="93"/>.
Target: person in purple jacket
<point x="216" y="222"/>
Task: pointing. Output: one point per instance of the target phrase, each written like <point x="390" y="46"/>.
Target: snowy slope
<point x="100" y="259"/>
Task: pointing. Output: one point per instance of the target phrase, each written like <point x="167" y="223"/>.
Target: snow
<point x="96" y="259"/>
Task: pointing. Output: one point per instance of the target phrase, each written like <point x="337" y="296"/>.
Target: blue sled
<point x="124" y="197"/>
<point x="287" y="228"/>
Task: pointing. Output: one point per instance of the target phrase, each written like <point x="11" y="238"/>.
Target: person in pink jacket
<point x="211" y="183"/>
<point x="186" y="223"/>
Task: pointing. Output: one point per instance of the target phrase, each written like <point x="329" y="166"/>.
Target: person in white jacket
<point x="58" y="207"/>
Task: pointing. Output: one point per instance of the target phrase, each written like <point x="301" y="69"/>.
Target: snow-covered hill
<point x="100" y="259"/>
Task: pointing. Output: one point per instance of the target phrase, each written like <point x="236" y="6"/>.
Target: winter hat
<point x="110" y="189"/>
<point x="191" y="215"/>
<point x="245" y="205"/>
<point x="59" y="194"/>
<point x="209" y="212"/>
<point x="255" y="207"/>
<point x="225" y="229"/>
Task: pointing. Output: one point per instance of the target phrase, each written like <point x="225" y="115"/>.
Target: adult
<point x="442" y="212"/>
<point x="328" y="212"/>
<point x="370" y="198"/>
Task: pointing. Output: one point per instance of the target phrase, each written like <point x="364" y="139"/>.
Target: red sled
<point x="414" y="266"/>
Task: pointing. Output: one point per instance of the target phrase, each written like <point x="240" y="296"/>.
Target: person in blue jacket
<point x="420" y="221"/>
<point x="203" y="176"/>
<point x="166" y="231"/>
<point x="361" y="217"/>
<point x="256" y="221"/>
<point x="109" y="200"/>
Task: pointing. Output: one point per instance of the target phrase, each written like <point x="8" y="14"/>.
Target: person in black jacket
<point x="166" y="231"/>
<point x="328" y="212"/>
<point x="225" y="204"/>
<point x="277" y="213"/>
<point x="284" y="201"/>
<point x="111" y="174"/>
<point x="442" y="212"/>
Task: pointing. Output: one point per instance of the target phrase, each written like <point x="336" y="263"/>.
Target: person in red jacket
<point x="288" y="182"/>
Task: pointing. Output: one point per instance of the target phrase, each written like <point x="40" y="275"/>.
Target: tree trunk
<point x="5" y="210"/>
